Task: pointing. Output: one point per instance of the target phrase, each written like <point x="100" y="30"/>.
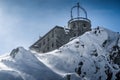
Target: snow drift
<point x="93" y="56"/>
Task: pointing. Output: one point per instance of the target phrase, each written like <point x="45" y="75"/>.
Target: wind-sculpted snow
<point x="29" y="67"/>
<point x="89" y="56"/>
<point x="93" y="56"/>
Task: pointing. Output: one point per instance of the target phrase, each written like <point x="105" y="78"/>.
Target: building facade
<point x="58" y="36"/>
<point x="54" y="39"/>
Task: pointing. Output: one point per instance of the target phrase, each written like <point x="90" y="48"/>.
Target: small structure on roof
<point x="57" y="36"/>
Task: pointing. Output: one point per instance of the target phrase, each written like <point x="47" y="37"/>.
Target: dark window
<point x="48" y="39"/>
<point x="52" y="45"/>
<point x="43" y="42"/>
<point x="73" y="26"/>
<point x="74" y="35"/>
<point x="57" y="45"/>
<point x="47" y="48"/>
<point x="84" y="25"/>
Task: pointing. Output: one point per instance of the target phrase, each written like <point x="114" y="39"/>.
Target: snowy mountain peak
<point x="93" y="56"/>
<point x="21" y="53"/>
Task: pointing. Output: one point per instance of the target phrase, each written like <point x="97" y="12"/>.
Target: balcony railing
<point x="79" y="18"/>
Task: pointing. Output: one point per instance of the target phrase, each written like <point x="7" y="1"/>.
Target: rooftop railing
<point x="79" y="18"/>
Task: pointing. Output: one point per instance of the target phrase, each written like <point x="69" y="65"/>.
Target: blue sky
<point x="23" y="21"/>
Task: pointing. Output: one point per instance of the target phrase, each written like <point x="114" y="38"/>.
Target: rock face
<point x="92" y="56"/>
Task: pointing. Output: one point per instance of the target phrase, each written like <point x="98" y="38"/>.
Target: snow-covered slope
<point x="25" y="66"/>
<point x="92" y="56"/>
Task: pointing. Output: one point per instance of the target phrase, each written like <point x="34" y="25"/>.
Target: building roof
<point x="47" y="34"/>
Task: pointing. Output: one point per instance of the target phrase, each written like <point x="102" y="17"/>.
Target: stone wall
<point x="57" y="37"/>
<point x="52" y="40"/>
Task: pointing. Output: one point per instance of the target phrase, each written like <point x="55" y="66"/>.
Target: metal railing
<point x="79" y="18"/>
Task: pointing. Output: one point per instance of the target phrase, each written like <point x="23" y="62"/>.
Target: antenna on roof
<point x="78" y="11"/>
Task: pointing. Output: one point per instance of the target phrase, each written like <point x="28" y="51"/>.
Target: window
<point x="57" y="46"/>
<point x="44" y="42"/>
<point x="47" y="48"/>
<point x="52" y="45"/>
<point x="74" y="34"/>
<point x="84" y="25"/>
<point x="48" y="39"/>
<point x="73" y="26"/>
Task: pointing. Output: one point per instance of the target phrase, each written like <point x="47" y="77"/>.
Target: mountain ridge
<point x="92" y="56"/>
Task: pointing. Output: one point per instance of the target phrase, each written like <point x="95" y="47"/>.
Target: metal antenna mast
<point x="78" y="6"/>
<point x="78" y="11"/>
